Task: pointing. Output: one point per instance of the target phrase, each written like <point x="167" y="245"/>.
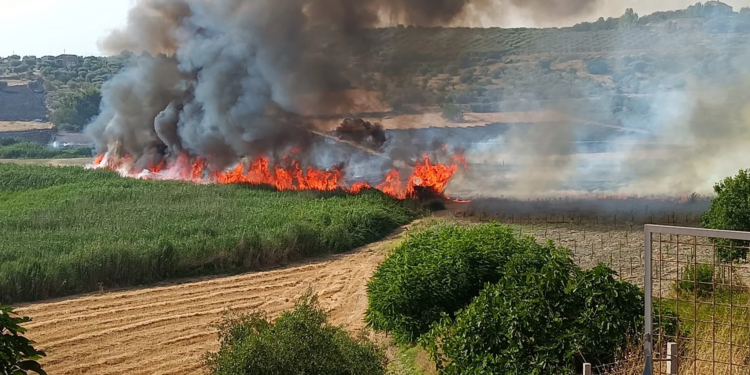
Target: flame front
<point x="288" y="175"/>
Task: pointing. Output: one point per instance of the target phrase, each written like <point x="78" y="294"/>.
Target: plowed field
<point x="167" y="329"/>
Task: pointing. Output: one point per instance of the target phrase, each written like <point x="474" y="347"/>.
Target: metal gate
<point x="697" y="298"/>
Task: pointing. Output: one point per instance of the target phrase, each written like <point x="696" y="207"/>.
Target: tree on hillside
<point x="75" y="110"/>
<point x="628" y="19"/>
<point x="17" y="355"/>
<point x="452" y="112"/>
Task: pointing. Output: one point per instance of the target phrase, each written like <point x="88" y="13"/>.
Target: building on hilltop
<point x="66" y="60"/>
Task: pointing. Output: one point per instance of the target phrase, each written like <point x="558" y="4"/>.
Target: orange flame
<point x="290" y="176"/>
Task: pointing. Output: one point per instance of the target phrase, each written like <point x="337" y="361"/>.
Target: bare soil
<point x="16" y="126"/>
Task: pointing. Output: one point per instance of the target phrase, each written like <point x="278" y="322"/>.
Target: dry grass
<point x="76" y="162"/>
<point x="17" y="126"/>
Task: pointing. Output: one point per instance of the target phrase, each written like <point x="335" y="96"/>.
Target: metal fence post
<point x="647" y="314"/>
<point x="586" y="369"/>
<point x="672" y="359"/>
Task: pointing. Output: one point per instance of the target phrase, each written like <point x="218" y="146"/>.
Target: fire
<point x="289" y="175"/>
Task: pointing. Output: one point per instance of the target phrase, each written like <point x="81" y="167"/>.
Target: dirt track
<point x="166" y="329"/>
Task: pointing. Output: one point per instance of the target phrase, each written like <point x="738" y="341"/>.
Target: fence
<point x="696" y="285"/>
<point x="697" y="297"/>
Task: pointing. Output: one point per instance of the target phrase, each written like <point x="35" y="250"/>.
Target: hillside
<point x="605" y="69"/>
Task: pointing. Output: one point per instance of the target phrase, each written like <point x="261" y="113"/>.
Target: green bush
<point x="452" y="112"/>
<point x="700" y="279"/>
<point x="298" y="342"/>
<point x="435" y="272"/>
<point x="597" y="66"/>
<point x="730" y="210"/>
<point x="17" y="354"/>
<point x="539" y="320"/>
<point x="67" y="229"/>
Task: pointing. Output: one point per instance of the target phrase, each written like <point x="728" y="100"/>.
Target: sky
<point x="53" y="27"/>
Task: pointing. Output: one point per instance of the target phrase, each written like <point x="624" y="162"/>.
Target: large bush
<point x="438" y="271"/>
<point x="730" y="210"/>
<point x="539" y="320"/>
<point x="17" y="353"/>
<point x="299" y="342"/>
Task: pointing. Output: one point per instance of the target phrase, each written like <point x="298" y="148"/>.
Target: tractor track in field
<point x="167" y="329"/>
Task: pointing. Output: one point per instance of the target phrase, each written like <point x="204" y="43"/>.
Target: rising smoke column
<point x="218" y="78"/>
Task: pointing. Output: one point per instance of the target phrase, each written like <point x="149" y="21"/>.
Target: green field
<point x="11" y="148"/>
<point x="66" y="229"/>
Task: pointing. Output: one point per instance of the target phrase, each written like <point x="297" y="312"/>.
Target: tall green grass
<point x="12" y="148"/>
<point x="64" y="230"/>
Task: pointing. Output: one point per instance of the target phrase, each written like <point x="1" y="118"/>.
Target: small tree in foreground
<point x="730" y="210"/>
<point x="17" y="355"/>
<point x="298" y="342"/>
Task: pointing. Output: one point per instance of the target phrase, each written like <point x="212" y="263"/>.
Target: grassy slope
<point x="67" y="229"/>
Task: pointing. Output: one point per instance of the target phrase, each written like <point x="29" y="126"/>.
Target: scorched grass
<point x="65" y="230"/>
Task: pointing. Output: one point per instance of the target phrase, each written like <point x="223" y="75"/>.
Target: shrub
<point x="730" y="210"/>
<point x="436" y="272"/>
<point x="17" y="354"/>
<point x="597" y="66"/>
<point x="298" y="342"/>
<point x="545" y="316"/>
<point x="699" y="279"/>
<point x="452" y="112"/>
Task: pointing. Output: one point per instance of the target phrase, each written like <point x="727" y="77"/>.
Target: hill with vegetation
<point x="609" y="66"/>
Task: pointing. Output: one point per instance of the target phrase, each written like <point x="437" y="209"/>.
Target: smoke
<point x="223" y="78"/>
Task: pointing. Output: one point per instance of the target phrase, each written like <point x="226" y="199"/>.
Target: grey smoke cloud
<point x="218" y="77"/>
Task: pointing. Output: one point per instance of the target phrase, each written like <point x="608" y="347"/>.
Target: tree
<point x="730" y="210"/>
<point x="17" y="355"/>
<point x="597" y="66"/>
<point x="75" y="110"/>
<point x="452" y="112"/>
<point x="628" y="19"/>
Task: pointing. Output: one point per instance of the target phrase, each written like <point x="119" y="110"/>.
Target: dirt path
<point x="166" y="329"/>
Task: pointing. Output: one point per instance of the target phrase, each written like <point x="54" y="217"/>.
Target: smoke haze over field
<point x="223" y="80"/>
<point x="224" y="72"/>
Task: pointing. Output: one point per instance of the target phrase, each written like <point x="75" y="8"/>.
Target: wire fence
<point x="700" y="287"/>
<point x="701" y="299"/>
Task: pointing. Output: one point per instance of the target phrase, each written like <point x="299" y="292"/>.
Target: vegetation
<point x="701" y="279"/>
<point x="435" y="272"/>
<point x="17" y="354"/>
<point x="540" y="320"/>
<point x="67" y="229"/>
<point x="12" y="148"/>
<point x="453" y="113"/>
<point x="298" y="342"/>
<point x="730" y="210"/>
<point x="75" y="110"/>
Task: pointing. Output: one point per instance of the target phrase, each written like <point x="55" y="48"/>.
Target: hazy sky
<point x="50" y="27"/>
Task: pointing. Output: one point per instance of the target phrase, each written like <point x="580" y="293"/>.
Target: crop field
<point x="67" y="230"/>
<point x="118" y="329"/>
<point x="141" y="330"/>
